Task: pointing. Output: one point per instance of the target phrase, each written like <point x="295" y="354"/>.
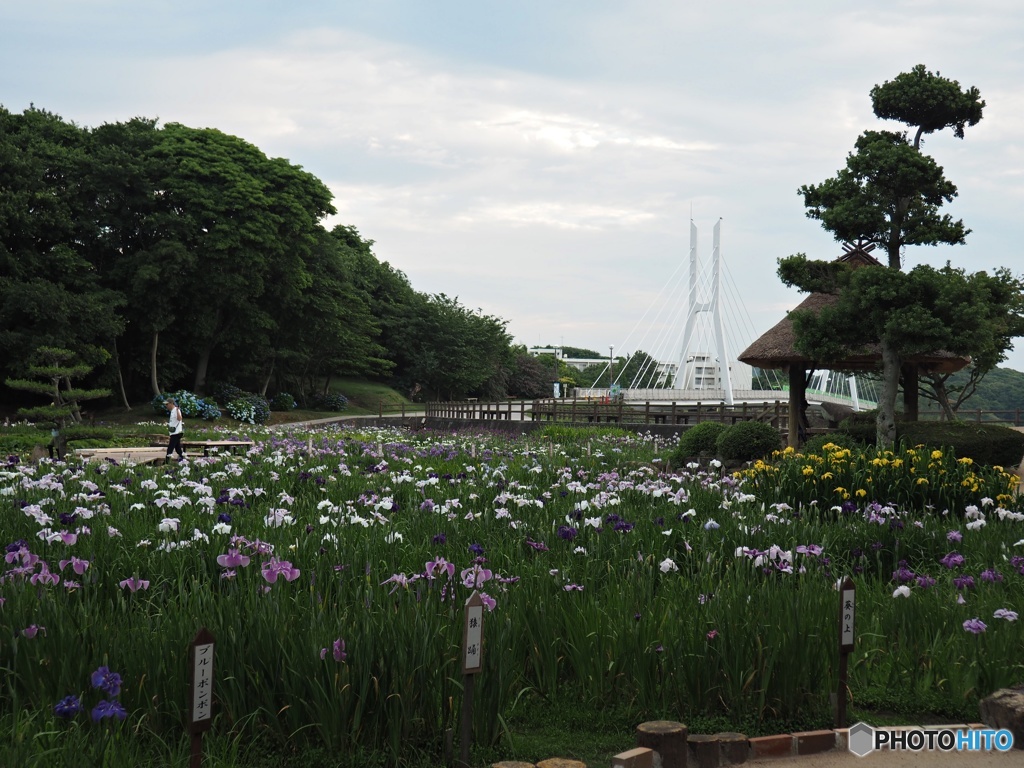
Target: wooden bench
<point x="205" y="445"/>
<point x="134" y="455"/>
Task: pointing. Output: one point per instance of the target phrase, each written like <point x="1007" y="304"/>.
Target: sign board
<point x="847" y="609"/>
<point x="473" y="636"/>
<point x="557" y="389"/>
<point x="201" y="657"/>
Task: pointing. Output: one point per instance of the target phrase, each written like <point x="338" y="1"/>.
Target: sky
<point x="542" y="161"/>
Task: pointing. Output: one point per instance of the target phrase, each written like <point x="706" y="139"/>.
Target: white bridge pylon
<point x="712" y="305"/>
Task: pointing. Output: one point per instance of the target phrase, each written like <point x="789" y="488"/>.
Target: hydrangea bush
<point x="250" y="409"/>
<point x="332" y="401"/>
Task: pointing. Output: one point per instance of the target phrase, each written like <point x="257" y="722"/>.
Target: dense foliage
<point x="169" y="257"/>
<point x="890" y="194"/>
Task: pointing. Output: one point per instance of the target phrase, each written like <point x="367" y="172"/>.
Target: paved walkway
<point x="886" y="759"/>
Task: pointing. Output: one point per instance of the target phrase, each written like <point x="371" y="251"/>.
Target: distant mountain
<point x="1001" y="390"/>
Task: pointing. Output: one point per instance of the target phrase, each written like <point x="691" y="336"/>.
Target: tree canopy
<point x="167" y="256"/>
<point x="890" y="194"/>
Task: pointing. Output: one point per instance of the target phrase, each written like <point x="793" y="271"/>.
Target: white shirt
<point x="175" y="422"/>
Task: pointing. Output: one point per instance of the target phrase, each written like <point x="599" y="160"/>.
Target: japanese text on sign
<point x="202" y="682"/>
<point x="474" y="636"/>
<point x="846" y="635"/>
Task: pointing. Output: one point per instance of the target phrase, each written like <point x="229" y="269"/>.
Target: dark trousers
<point x="175" y="445"/>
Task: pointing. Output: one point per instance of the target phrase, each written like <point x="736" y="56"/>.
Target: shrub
<point x="282" y="402"/>
<point x="841" y="439"/>
<point x="80" y="433"/>
<point x="192" y="406"/>
<point x="210" y="412"/>
<point x="223" y="392"/>
<point x="988" y="444"/>
<point x="250" y="408"/>
<point x="332" y="401"/>
<point x="699" y="440"/>
<point x="564" y="434"/>
<point x="747" y="440"/>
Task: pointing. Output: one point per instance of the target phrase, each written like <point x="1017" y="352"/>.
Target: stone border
<point x="717" y="750"/>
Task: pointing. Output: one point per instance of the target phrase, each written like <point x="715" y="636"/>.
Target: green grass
<point x="367" y="397"/>
<point x="135" y="426"/>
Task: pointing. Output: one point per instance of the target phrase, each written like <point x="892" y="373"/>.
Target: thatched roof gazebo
<point x="776" y="349"/>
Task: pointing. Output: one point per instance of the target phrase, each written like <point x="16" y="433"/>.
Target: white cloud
<point x="550" y="181"/>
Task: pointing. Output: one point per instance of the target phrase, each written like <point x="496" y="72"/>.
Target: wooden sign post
<point x="472" y="663"/>
<point x="847" y="600"/>
<point x="201" y="675"/>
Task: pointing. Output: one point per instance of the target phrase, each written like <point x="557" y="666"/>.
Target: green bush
<point x="282" y="401"/>
<point x="249" y="408"/>
<point x="332" y="401"/>
<point x="80" y="433"/>
<point x="747" y="440"/>
<point x="987" y="444"/>
<point x="699" y="440"/>
<point x="842" y="439"/>
<point x="563" y="434"/>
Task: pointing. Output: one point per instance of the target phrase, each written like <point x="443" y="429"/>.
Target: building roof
<point x="776" y="348"/>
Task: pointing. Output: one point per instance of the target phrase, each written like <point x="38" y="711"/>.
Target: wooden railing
<point x="597" y="410"/>
<point x="480" y="409"/>
<point x="600" y="410"/>
<point x="658" y="412"/>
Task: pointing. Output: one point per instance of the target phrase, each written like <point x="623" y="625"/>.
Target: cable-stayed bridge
<point x="692" y="332"/>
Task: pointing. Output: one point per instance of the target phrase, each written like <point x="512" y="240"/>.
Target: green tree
<point x="450" y="351"/>
<point x="250" y="221"/>
<point x="530" y="376"/>
<point x="330" y="329"/>
<point x="890" y="194"/>
<point x="639" y="371"/>
<point x="50" y="292"/>
<point x="52" y="372"/>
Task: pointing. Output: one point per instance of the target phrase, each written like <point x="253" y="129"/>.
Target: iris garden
<point x="332" y="567"/>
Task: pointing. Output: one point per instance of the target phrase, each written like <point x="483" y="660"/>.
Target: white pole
<point x="716" y="313"/>
<point x="853" y="393"/>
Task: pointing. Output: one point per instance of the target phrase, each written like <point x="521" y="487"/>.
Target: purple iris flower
<point x="439" y="538"/>
<point x="134" y="584"/>
<point x="955" y="536"/>
<point x="902" y="574"/>
<point x="963" y="582"/>
<point x="567" y="532"/>
<point x="474" y="578"/>
<point x="976" y="626"/>
<point x="991" y="575"/>
<point x="108" y="709"/>
<point x="953" y="560"/>
<point x="106" y="681"/>
<point x="78" y="565"/>
<point x="67" y="707"/>
<point x="437" y="566"/>
<point x="925" y="582"/>
<point x="232" y="559"/>
<point x="274" y="568"/>
<point x="476" y="549"/>
<point x="337" y="650"/>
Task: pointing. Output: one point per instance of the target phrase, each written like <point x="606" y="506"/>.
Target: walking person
<point x="176" y="428"/>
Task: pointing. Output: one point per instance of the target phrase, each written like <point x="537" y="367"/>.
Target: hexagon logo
<point x="861" y="740"/>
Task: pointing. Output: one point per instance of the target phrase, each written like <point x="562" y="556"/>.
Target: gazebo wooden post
<point x="797" y="392"/>
<point x="911" y="374"/>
